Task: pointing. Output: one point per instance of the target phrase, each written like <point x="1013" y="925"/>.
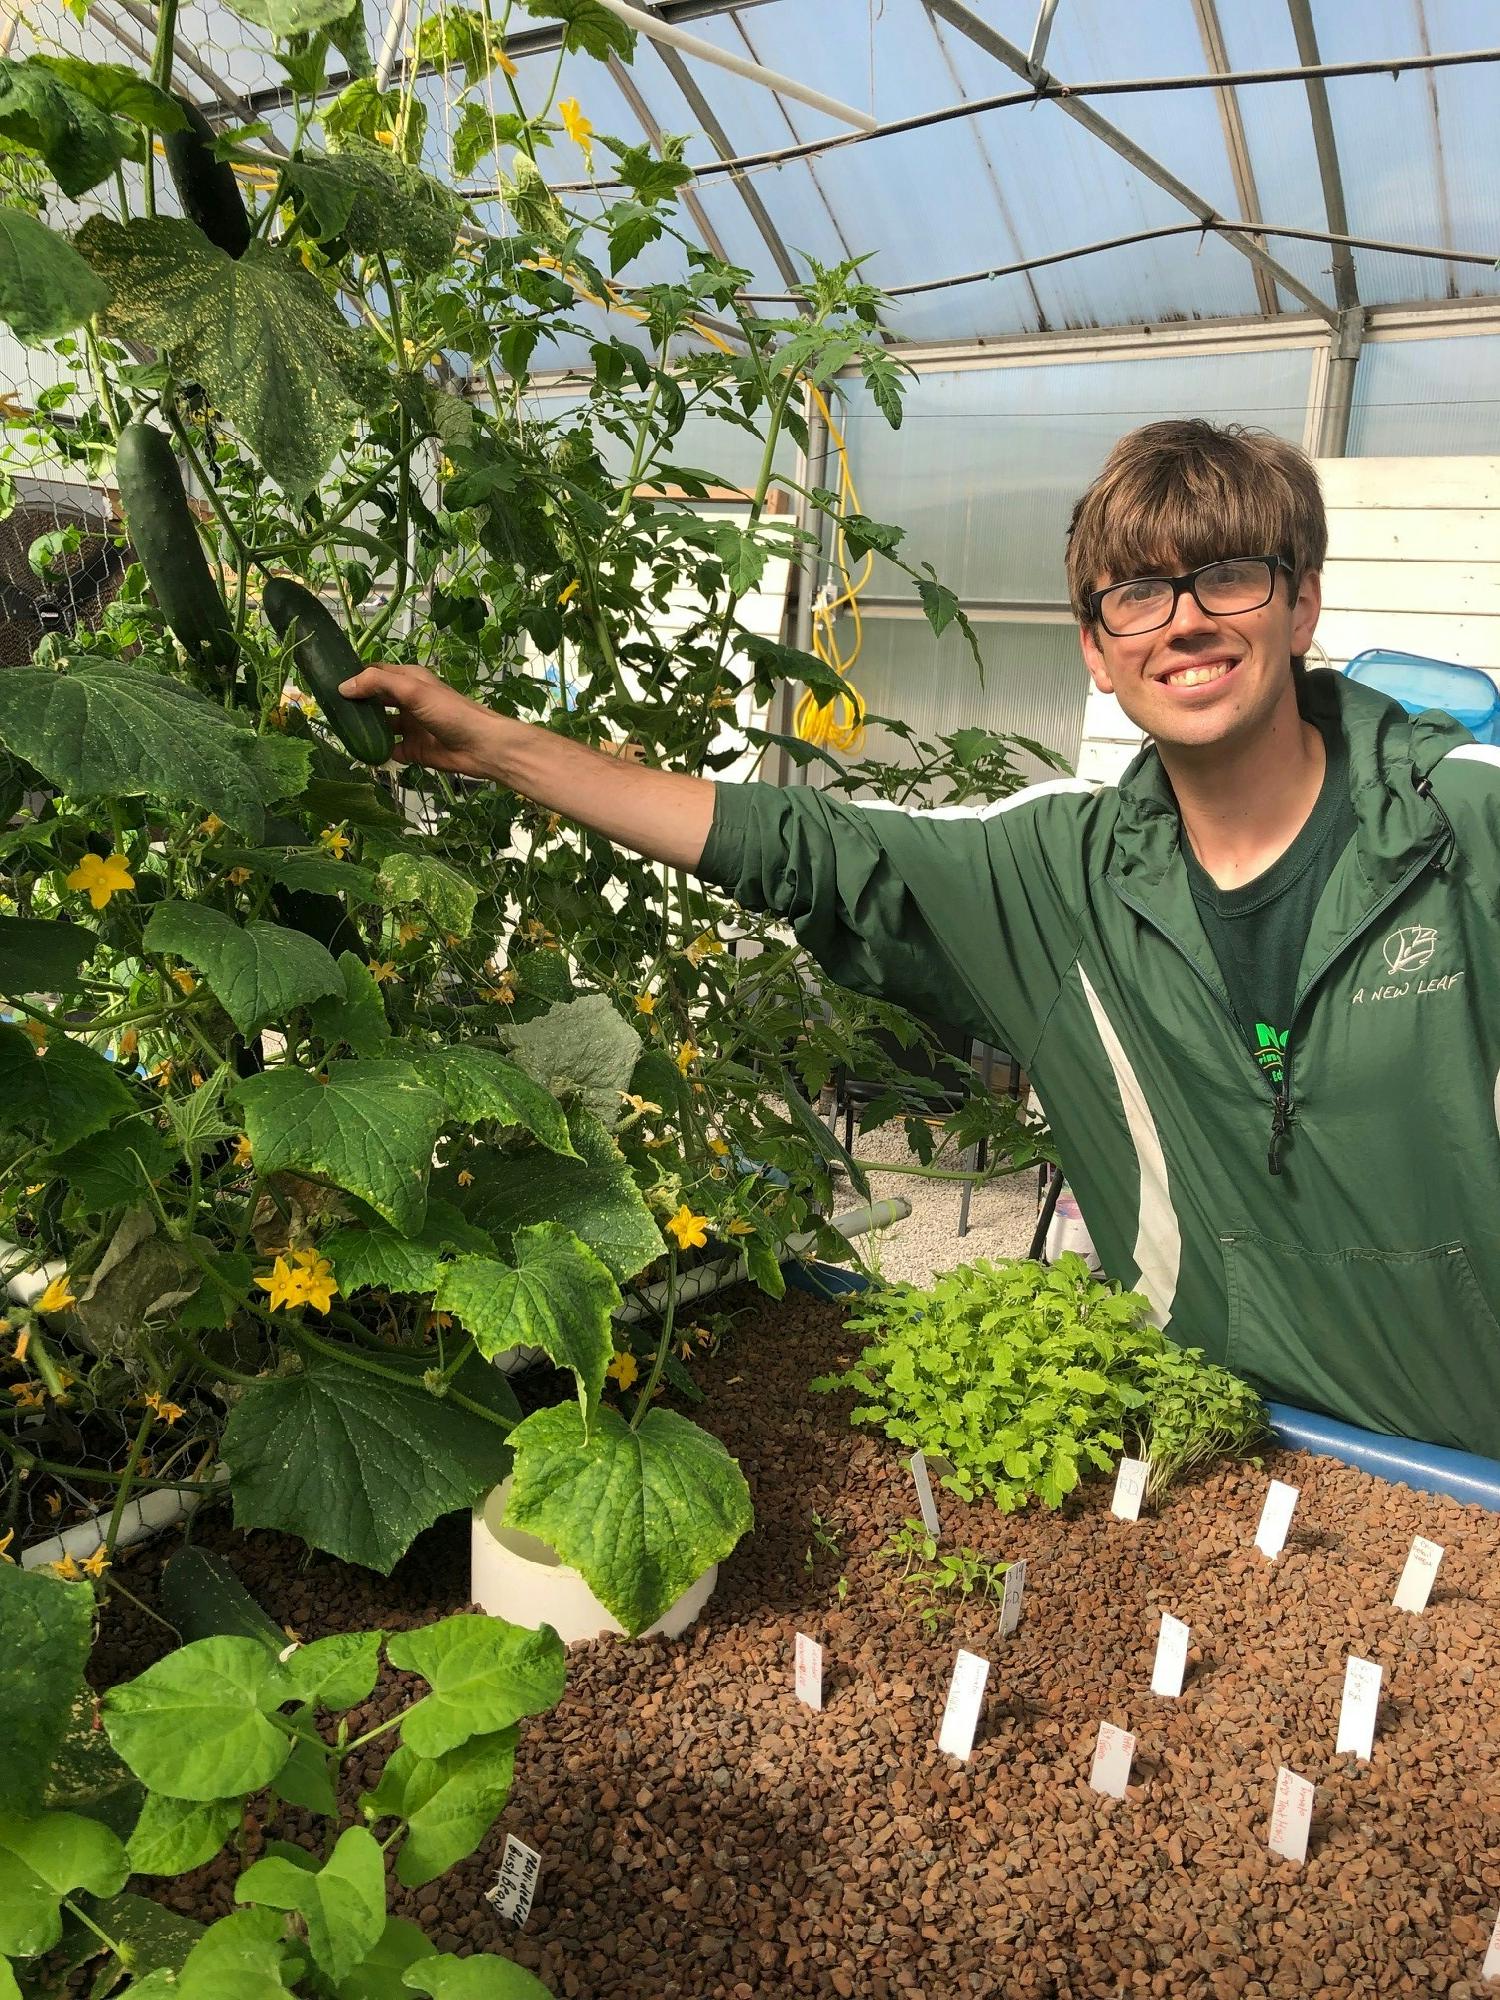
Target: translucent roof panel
<point x="1418" y="153"/>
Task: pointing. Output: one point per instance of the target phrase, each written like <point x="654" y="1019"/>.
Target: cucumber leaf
<point x="642" y="1514"/>
<point x="370" y="1128"/>
<point x="557" y="1296"/>
<point x="46" y="1629"/>
<point x="259" y="332"/>
<point x="258" y="972"/>
<point x="61" y="1091"/>
<point x="595" y="1196"/>
<point x="44" y="114"/>
<point x="478" y="1084"/>
<point x="380" y="1255"/>
<point x="356" y="1464"/>
<point x="46" y="288"/>
<point x="117" y="731"/>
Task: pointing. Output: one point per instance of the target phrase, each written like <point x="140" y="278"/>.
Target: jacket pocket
<point x="1401" y="1341"/>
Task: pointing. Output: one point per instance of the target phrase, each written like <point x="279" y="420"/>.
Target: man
<point x="1251" y="984"/>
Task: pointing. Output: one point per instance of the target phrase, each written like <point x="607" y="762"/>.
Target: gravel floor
<point x="706" y="1838"/>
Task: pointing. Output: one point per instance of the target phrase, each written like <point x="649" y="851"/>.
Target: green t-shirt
<point x="1257" y="931"/>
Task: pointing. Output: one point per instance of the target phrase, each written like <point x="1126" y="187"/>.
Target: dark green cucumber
<point x="204" y="1599"/>
<point x="206" y="186"/>
<point x="323" y="656"/>
<point x="161" y="526"/>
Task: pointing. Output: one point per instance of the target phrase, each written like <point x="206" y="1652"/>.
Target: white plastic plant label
<point x="1492" y="1956"/>
<point x="1130" y="1488"/>
<point x="965" y="1699"/>
<point x="515" y="1885"/>
<point x="925" y="1500"/>
<point x="1171" y="1657"/>
<point x="1276" y="1518"/>
<point x="1011" y="1595"/>
<point x="1291" y="1816"/>
<point x="809" y="1671"/>
<point x="1417" y="1579"/>
<point x="1357" y="1710"/>
<point x="1112" y="1754"/>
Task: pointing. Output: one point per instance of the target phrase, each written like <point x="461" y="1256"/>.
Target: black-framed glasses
<point x="1145" y="603"/>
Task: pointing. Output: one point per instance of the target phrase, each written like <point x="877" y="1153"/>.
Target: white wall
<point x="1413" y="565"/>
<point x="1413" y="558"/>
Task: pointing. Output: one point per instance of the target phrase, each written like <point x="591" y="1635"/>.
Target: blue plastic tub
<point x="1430" y="1468"/>
<point x="1466" y="694"/>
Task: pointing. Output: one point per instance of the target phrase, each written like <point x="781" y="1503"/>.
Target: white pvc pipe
<point x="23" y="1286"/>
<point x="785" y="86"/>
<point x="390" y="46"/>
<point x="154" y="1511"/>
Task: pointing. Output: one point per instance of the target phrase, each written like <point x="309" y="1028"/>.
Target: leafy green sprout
<point x="1027" y="1378"/>
<point x="934" y="1580"/>
<point x="825" y="1542"/>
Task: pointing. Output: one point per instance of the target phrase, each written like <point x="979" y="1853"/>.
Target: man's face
<point x="1202" y="680"/>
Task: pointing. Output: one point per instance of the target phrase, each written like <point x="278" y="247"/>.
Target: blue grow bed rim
<point x="1427" y="1468"/>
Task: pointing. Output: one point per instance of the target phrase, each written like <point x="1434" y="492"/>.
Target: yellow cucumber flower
<point x="578" y="128"/>
<point x="690" y="1230"/>
<point x="57" y="1297"/>
<point x="102" y="876"/>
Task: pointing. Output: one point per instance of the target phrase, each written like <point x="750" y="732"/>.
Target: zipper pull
<point x="1281" y="1118"/>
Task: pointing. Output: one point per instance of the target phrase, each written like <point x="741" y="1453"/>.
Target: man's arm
<point x="664" y="815"/>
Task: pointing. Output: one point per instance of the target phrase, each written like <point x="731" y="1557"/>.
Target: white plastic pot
<point x="513" y="1575"/>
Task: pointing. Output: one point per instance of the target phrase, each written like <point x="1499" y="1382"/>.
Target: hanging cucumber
<point x="165" y="535"/>
<point x="323" y="656"/>
<point x="206" y="186"/>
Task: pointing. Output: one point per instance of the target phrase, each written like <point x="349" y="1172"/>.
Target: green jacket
<point x="1338" y="1243"/>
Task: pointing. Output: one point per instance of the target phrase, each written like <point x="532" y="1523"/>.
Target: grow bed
<point x="705" y="1838"/>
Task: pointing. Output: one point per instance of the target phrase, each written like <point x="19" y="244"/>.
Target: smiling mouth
<point x="1197" y="676"/>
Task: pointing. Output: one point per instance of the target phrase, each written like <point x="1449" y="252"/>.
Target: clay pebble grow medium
<point x="705" y="1837"/>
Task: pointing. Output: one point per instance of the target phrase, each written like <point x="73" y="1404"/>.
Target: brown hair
<point x="1185" y="492"/>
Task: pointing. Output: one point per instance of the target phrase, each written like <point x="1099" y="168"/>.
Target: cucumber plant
<point x="325" y="1083"/>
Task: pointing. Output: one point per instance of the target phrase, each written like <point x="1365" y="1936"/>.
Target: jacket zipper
<point x="1281" y="1095"/>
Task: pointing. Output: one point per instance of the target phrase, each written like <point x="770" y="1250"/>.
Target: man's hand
<point x="435" y="724"/>
<point x="665" y="815"/>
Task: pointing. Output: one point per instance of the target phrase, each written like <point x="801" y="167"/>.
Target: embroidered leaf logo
<point x="1409" y="949"/>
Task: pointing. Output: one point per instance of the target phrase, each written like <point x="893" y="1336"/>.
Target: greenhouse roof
<point x="1005" y="155"/>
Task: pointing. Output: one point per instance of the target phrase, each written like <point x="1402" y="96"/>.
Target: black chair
<point x="939" y="1086"/>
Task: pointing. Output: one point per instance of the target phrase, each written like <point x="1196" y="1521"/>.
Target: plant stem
<point x="210" y="491"/>
<point x="458" y="1360"/>
<point x="104" y="1936"/>
<point x="380" y="1729"/>
<point x="644" y="1402"/>
<point x="141" y="1605"/>
<point x="127" y="1478"/>
<point x="166" y="37"/>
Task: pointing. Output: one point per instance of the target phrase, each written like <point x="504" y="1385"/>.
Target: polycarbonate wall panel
<point x="988" y="462"/>
<point x="1426" y="398"/>
<point x="1035" y="684"/>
